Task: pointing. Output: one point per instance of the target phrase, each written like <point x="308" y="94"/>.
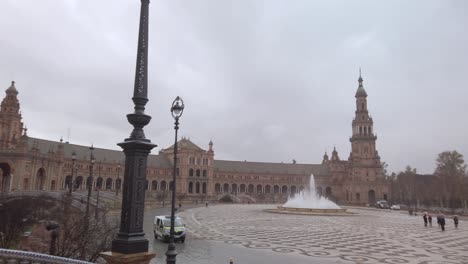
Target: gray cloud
<point x="266" y="80"/>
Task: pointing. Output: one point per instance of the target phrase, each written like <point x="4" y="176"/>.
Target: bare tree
<point x="18" y="215"/>
<point x="79" y="236"/>
<point x="450" y="173"/>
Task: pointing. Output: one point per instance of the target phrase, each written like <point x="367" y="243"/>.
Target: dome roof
<point x="12" y="89"/>
<point x="360" y="90"/>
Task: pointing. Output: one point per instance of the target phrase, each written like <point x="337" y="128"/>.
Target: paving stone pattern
<point x="371" y="236"/>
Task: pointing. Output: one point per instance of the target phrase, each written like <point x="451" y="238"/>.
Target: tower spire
<point x="360" y="77"/>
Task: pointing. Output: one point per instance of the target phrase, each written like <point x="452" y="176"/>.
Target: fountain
<point x="310" y="203"/>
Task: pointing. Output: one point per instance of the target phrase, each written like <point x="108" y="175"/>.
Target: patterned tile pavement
<point x="371" y="236"/>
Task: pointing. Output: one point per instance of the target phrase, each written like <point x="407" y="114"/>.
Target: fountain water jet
<point x="310" y="199"/>
<point x="308" y="202"/>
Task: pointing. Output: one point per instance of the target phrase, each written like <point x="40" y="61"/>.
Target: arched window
<point x="242" y="188"/>
<point x="362" y="106"/>
<point x="328" y="191"/>
<point x="68" y="182"/>
<point x="267" y="189"/>
<point x="358" y="196"/>
<point x="163" y="186"/>
<point x="276" y="189"/>
<point x="171" y="185"/>
<point x="204" y="187"/>
<point x="40" y="179"/>
<point x="319" y="191"/>
<point x="226" y="188"/>
<point x="251" y="188"/>
<point x="52" y="185"/>
<point x="78" y="182"/>
<point x="198" y="173"/>
<point x="234" y="188"/>
<point x="118" y="183"/>
<point x="190" y="187"/>
<point x="108" y="183"/>
<point x="360" y="130"/>
<point x="190" y="172"/>
<point x="197" y="187"/>
<point x="293" y="189"/>
<point x="154" y="185"/>
<point x="217" y="188"/>
<point x="99" y="183"/>
<point x="284" y="189"/>
<point x="204" y="173"/>
<point x="259" y="188"/>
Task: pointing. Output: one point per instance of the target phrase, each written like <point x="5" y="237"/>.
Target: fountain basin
<point x="310" y="211"/>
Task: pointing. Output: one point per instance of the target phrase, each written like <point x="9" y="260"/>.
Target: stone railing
<point x="9" y="256"/>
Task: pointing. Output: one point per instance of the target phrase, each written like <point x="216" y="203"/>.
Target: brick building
<point x="28" y="163"/>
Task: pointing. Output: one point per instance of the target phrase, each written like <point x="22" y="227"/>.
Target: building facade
<point x="28" y="163"/>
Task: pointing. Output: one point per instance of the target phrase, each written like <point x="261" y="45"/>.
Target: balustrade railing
<point x="10" y="256"/>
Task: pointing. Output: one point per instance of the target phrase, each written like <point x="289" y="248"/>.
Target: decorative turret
<point x="325" y="158"/>
<point x="335" y="156"/>
<point x="11" y="127"/>
<point x="210" y="146"/>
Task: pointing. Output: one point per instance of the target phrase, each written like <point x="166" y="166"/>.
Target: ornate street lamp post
<point x="98" y="187"/>
<point x="72" y="173"/>
<point x="89" y="181"/>
<point x="131" y="237"/>
<point x="117" y="187"/>
<point x="176" y="110"/>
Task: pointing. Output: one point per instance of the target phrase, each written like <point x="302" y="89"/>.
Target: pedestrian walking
<point x="206" y="204"/>
<point x="425" y="219"/>
<point x="429" y="219"/>
<point x="441" y="221"/>
<point x="455" y="221"/>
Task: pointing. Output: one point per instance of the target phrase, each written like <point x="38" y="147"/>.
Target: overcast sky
<point x="265" y="80"/>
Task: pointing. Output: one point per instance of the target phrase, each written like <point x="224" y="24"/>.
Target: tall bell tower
<point x="364" y="158"/>
<point x="11" y="126"/>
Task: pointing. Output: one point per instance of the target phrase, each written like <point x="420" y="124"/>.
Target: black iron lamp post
<point x="176" y="110"/>
<point x="117" y="187"/>
<point x="89" y="181"/>
<point x="52" y="227"/>
<point x="131" y="237"/>
<point x="72" y="173"/>
<point x="98" y="187"/>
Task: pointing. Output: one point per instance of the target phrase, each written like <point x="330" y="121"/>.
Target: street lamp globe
<point x="177" y="108"/>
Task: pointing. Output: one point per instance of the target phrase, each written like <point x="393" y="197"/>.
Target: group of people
<point x="440" y="220"/>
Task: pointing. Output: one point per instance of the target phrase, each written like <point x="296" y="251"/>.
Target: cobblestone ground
<point x="371" y="236"/>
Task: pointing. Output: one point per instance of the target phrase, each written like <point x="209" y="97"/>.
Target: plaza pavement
<point x="371" y="236"/>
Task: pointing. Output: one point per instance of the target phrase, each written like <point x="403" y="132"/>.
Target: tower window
<point x="362" y="106"/>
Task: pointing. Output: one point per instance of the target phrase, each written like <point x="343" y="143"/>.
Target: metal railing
<point x="10" y="256"/>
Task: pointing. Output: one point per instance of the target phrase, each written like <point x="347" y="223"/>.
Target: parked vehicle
<point x="395" y="207"/>
<point x="382" y="204"/>
<point x="162" y="228"/>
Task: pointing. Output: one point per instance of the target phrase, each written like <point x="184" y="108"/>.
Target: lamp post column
<point x="131" y="237"/>
<point x="72" y="173"/>
<point x="177" y="109"/>
<point x="89" y="182"/>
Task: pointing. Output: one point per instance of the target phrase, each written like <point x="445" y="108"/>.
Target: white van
<point x="162" y="228"/>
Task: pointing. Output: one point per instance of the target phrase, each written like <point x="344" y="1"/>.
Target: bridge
<point x="104" y="199"/>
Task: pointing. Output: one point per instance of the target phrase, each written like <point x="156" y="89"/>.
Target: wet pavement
<point x="249" y="235"/>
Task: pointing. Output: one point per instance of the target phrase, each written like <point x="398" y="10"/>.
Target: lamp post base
<point x="119" y="258"/>
<point x="127" y="245"/>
